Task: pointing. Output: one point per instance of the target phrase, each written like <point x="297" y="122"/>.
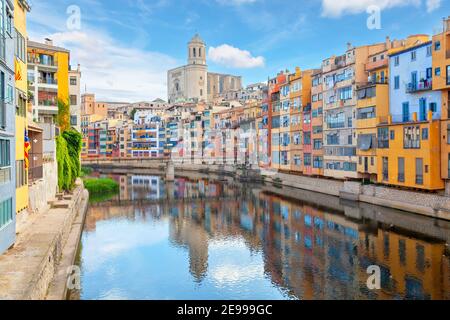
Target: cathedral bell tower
<point x="197" y="51"/>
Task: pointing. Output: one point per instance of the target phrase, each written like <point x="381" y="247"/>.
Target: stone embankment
<point x="44" y="245"/>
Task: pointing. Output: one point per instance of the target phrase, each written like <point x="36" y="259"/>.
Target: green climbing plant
<point x="63" y="118"/>
<point x="68" y="150"/>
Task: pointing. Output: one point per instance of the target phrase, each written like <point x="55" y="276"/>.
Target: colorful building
<point x="317" y="122"/>
<point x="341" y="75"/>
<point x="441" y="82"/>
<point x="48" y="78"/>
<point x="21" y="8"/>
<point x="7" y="130"/>
<point x="409" y="140"/>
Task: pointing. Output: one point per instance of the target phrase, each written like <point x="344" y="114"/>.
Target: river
<point x="215" y="238"/>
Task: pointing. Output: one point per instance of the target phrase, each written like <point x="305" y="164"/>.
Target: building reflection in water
<point x="309" y="250"/>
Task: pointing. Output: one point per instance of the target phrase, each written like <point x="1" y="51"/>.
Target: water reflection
<point x="210" y="239"/>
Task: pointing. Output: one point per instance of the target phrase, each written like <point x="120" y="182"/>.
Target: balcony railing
<point x="421" y="86"/>
<point x="48" y="81"/>
<point x="377" y="64"/>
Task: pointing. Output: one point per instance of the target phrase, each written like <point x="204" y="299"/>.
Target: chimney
<point x="48" y="41"/>
<point x="388" y="43"/>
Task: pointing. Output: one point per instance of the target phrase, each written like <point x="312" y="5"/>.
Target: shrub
<point x="101" y="186"/>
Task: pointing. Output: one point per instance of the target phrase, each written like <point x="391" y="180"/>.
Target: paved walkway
<point x="27" y="269"/>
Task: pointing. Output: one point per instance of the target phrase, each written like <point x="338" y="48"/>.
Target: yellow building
<point x="441" y="81"/>
<point x="21" y="8"/>
<point x="48" y="68"/>
<point x="409" y="138"/>
<point x="372" y="104"/>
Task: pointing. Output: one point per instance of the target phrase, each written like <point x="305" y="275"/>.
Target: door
<point x="414" y="80"/>
<point x="405" y="111"/>
<point x="423" y="109"/>
<point x="366" y="164"/>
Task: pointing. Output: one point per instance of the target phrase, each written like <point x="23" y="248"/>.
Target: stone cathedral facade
<point x="193" y="82"/>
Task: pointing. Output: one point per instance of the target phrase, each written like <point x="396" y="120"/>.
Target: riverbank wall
<point x="428" y="204"/>
<point x="28" y="269"/>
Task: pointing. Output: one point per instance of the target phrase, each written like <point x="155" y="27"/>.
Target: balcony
<point x="48" y="81"/>
<point x="420" y="86"/>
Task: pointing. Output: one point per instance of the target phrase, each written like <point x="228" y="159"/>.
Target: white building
<point x="410" y="85"/>
<point x="193" y="83"/>
<point x="148" y="135"/>
<point x="75" y="98"/>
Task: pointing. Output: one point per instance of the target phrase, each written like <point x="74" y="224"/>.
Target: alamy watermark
<point x="74" y="20"/>
<point x="374" y="19"/>
<point x="73" y="278"/>
<point x="374" y="280"/>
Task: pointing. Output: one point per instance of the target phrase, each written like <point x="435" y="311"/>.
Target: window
<point x="366" y="113"/>
<point x="332" y="139"/>
<point x="307" y="160"/>
<point x="307" y="138"/>
<point x="411" y="137"/>
<point x="335" y="121"/>
<point x="21" y="174"/>
<point x="317" y="129"/>
<point x="433" y="106"/>
<point x="392" y="134"/>
<point x="73" y="81"/>
<point x="385" y="169"/>
<point x="6" y="212"/>
<point x="401" y="169"/>
<point x="318" y="163"/>
<point x="397" y="61"/>
<point x="429" y="51"/>
<point x="73" y="100"/>
<point x="448" y="75"/>
<point x="20" y="46"/>
<point x="383" y="138"/>
<point x="413" y="55"/>
<point x="2" y="101"/>
<point x="346" y="93"/>
<point x="297" y="160"/>
<point x="21" y="104"/>
<point x="397" y="82"/>
<point x="296" y="138"/>
<point x="425" y="134"/>
<point x="5" y="161"/>
<point x="437" y="72"/>
<point x="73" y="120"/>
<point x="419" y="171"/>
<point x="317" y="144"/>
<point x="437" y="46"/>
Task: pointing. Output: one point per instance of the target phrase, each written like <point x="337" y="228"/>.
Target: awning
<point x="32" y="126"/>
<point x="365" y="142"/>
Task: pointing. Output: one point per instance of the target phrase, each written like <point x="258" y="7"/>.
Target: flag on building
<point x="27" y="149"/>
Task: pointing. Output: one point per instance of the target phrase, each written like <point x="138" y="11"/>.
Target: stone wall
<point x="45" y="189"/>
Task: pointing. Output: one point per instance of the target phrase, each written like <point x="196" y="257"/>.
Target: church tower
<point x="197" y="51"/>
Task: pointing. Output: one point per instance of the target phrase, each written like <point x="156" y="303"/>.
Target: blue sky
<point x="125" y="47"/>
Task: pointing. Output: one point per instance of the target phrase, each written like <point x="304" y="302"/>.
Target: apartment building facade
<point x="75" y="98"/>
<point x="410" y="140"/>
<point x="317" y="122"/>
<point x="441" y="82"/>
<point x="48" y="75"/>
<point x="7" y="128"/>
<point x="341" y="76"/>
<point x="21" y="8"/>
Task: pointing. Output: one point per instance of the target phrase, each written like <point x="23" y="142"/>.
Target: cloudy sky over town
<point x="125" y="47"/>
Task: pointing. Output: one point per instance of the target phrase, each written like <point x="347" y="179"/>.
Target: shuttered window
<point x="6" y="212"/>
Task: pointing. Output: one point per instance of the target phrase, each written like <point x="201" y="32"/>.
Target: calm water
<point x="212" y="239"/>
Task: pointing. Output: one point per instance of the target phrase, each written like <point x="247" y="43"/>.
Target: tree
<point x="133" y="112"/>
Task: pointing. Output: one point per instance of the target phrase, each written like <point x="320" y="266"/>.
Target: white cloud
<point x="433" y="5"/>
<point x="232" y="57"/>
<point x="111" y="69"/>
<point x="333" y="8"/>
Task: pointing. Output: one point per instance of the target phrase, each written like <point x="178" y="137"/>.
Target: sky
<point x="125" y="47"/>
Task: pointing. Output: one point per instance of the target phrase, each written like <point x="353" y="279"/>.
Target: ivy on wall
<point x="68" y="150"/>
